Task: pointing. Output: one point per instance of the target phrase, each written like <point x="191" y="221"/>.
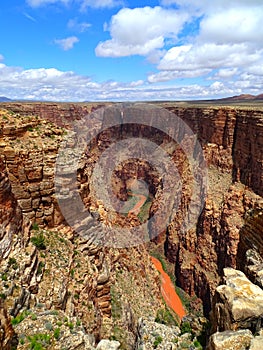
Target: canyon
<point x="78" y="292"/>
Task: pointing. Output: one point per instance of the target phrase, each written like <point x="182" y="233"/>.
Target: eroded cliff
<point x="105" y="289"/>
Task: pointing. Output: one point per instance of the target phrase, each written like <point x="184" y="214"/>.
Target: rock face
<point x="7" y="335"/>
<point x="106" y="288"/>
<point x="238" y="303"/>
<point x="239" y="340"/>
<point x="10" y="214"/>
<point x="234" y="189"/>
<point x="254" y="267"/>
<point x="152" y="335"/>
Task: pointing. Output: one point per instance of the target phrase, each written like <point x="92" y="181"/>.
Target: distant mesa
<point x="4" y="99"/>
<point x="243" y="97"/>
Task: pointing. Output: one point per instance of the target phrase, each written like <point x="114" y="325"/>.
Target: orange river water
<point x="168" y="292"/>
<point x="167" y="288"/>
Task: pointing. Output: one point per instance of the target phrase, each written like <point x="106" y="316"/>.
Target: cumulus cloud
<point x="67" y="43"/>
<point x="140" y="31"/>
<point x="227" y="42"/>
<point x="226" y="73"/>
<point x="206" y="6"/>
<point x="80" y="27"/>
<point x="210" y="56"/>
<point x="175" y="74"/>
<point x="55" y="85"/>
<point x="234" y="25"/>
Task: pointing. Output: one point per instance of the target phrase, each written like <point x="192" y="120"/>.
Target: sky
<point x="128" y="50"/>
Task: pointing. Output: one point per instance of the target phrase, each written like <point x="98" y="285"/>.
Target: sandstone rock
<point x="254" y="267"/>
<point x="239" y="340"/>
<point x="108" y="345"/>
<point x="237" y="304"/>
<point x="150" y="332"/>
<point x="7" y="333"/>
<point x="257" y="342"/>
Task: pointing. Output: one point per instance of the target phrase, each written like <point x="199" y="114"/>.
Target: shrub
<point x="186" y="328"/>
<point x="39" y="241"/>
<point x="164" y="316"/>
<point x="197" y="344"/>
<point x="19" y="318"/>
<point x="35" y="226"/>
<point x="39" y="341"/>
<point x="4" y="277"/>
<point x="157" y="341"/>
<point x="57" y="333"/>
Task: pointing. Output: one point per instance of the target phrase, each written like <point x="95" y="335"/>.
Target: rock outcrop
<point x="238" y="303"/>
<point x="239" y="340"/>
<point x="8" y="338"/>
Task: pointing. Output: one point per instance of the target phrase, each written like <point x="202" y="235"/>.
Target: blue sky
<point x="82" y="50"/>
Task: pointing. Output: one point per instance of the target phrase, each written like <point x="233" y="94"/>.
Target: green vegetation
<point x="40" y="267"/>
<point x="35" y="226"/>
<point x="197" y="345"/>
<point x="19" y="318"/>
<point x="56" y="333"/>
<point x="115" y="304"/>
<point x="186" y="328"/>
<point x="4" y="277"/>
<point x="39" y="241"/>
<point x="157" y="341"/>
<point x="70" y="325"/>
<point x="12" y="262"/>
<point x="39" y="341"/>
<point x="144" y="211"/>
<point x="164" y="316"/>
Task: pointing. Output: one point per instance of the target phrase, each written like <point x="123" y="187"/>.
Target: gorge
<point x="77" y="293"/>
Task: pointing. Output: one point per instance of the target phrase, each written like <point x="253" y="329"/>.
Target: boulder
<point x="105" y="344"/>
<point x="239" y="340"/>
<point x="238" y="303"/>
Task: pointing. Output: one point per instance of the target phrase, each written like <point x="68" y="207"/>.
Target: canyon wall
<point x="46" y="267"/>
<point x="232" y="141"/>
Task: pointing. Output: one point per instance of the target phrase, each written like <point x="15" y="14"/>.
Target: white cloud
<point x="209" y="55"/>
<point x="54" y="85"/>
<point x="81" y="27"/>
<point x="38" y="3"/>
<point x="1" y="57"/>
<point x="140" y="31"/>
<point x="67" y="43"/>
<point x="100" y="3"/>
<point x="175" y="74"/>
<point x="234" y="25"/>
<point x="228" y="41"/>
<point x="207" y="6"/>
<point x="84" y="4"/>
<point x="226" y="73"/>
